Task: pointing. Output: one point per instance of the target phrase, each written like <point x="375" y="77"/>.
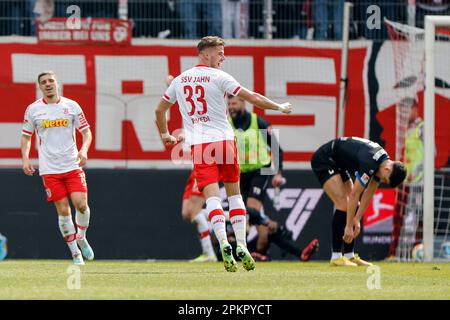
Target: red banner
<point x="85" y="31"/>
<point x="118" y="91"/>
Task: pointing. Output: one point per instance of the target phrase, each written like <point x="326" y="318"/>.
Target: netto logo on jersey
<point x="54" y="123"/>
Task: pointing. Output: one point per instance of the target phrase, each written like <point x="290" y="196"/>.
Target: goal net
<point x="408" y="44"/>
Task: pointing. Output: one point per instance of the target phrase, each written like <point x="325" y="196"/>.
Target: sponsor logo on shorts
<point x="331" y="171"/>
<point x="49" y="193"/>
<point x="83" y="179"/>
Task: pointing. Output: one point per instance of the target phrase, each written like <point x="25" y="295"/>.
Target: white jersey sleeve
<point x="28" y="123"/>
<point x="228" y="84"/>
<point x="171" y="95"/>
<point x="80" y="120"/>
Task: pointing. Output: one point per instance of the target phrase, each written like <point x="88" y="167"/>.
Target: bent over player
<point x="54" y="119"/>
<point x="200" y="93"/>
<point x="332" y="164"/>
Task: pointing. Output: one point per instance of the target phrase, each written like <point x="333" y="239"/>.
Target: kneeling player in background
<point x="280" y="236"/>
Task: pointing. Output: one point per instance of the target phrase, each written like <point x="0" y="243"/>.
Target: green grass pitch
<point x="103" y="279"/>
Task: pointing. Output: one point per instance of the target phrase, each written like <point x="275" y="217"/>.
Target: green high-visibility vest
<point x="414" y="153"/>
<point x="251" y="145"/>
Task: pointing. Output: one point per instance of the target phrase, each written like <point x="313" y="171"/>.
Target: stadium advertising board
<point x="303" y="209"/>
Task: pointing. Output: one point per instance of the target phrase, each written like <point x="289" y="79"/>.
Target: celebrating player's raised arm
<point x="263" y="102"/>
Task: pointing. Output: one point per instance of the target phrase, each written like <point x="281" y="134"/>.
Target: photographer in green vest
<point x="254" y="141"/>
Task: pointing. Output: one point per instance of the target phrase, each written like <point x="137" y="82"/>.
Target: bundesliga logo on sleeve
<point x="365" y="178"/>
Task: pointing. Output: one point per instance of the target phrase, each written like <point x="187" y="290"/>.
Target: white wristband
<point x="165" y="135"/>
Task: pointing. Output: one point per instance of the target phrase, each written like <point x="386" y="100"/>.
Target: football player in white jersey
<point x="54" y="119"/>
<point x="192" y="211"/>
<point x="200" y="93"/>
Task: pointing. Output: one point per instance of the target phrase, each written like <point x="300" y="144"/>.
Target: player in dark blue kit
<point x="333" y="163"/>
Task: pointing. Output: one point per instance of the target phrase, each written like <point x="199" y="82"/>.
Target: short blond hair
<point x="43" y="73"/>
<point x="209" y="42"/>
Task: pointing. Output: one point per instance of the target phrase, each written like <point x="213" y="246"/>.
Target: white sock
<point x="336" y="255"/>
<point x="217" y="218"/>
<point x="349" y="255"/>
<point x="238" y="218"/>
<point x="203" y="232"/>
<point x="82" y="221"/>
<point x="68" y="232"/>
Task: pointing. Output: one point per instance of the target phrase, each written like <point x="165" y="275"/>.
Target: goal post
<point x="422" y="214"/>
<point x="431" y="22"/>
<point x="344" y="65"/>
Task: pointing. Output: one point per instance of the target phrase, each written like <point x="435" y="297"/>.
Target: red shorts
<point x="215" y="161"/>
<point x="191" y="188"/>
<point x="59" y="185"/>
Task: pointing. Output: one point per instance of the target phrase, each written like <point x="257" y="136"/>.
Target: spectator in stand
<point x="324" y="12"/>
<point x="193" y="11"/>
<point x="43" y="10"/>
<point x="288" y="19"/>
<point x="13" y="11"/>
<point x="235" y="19"/>
<point x="305" y="25"/>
